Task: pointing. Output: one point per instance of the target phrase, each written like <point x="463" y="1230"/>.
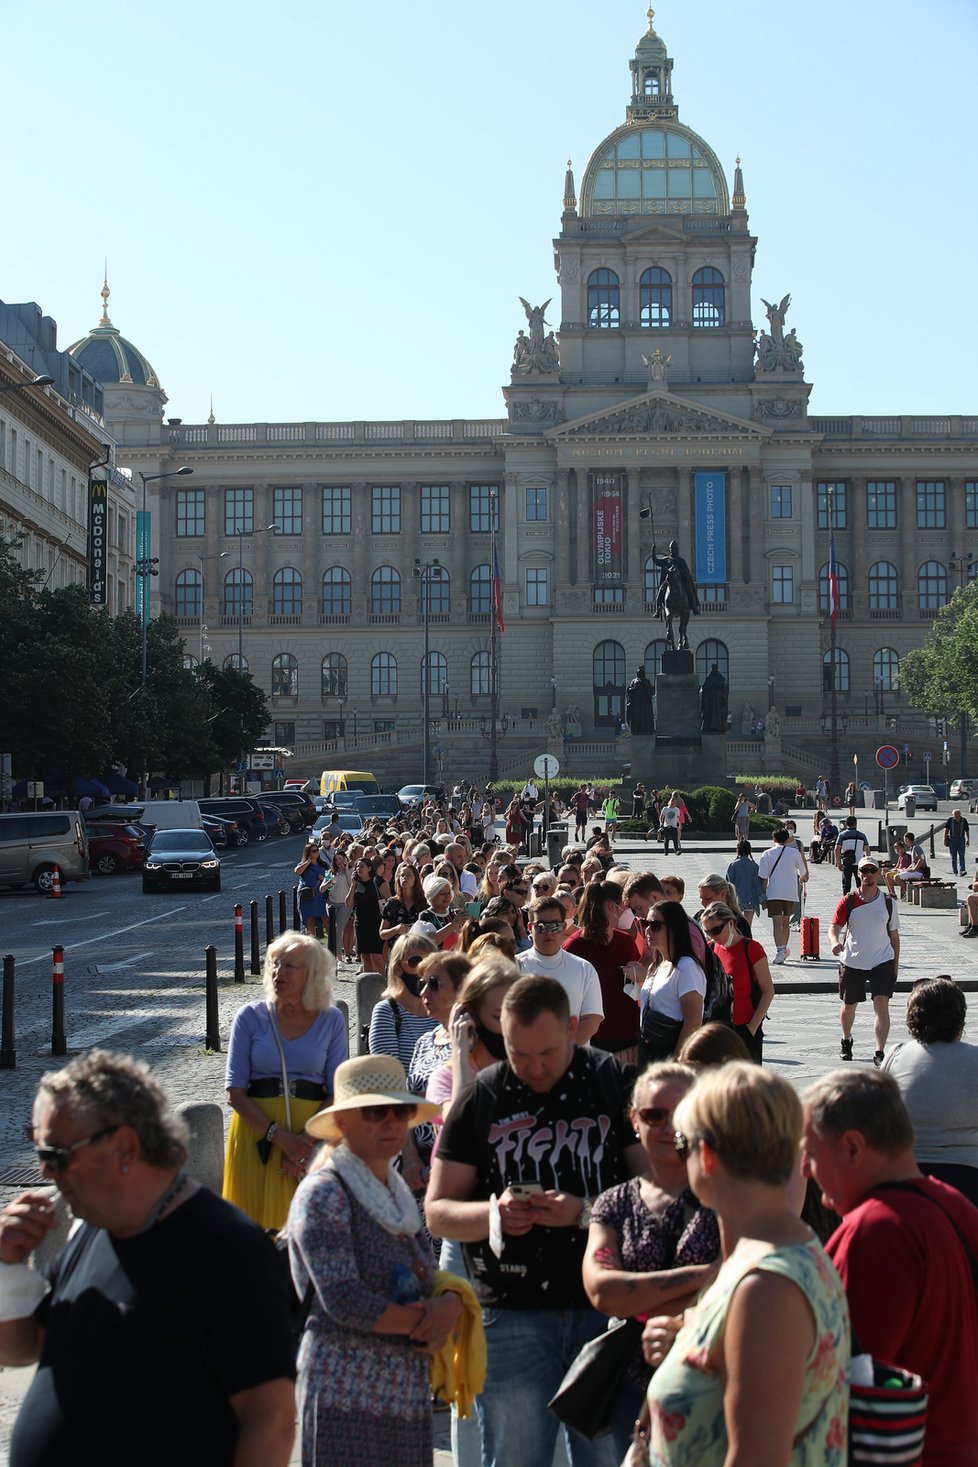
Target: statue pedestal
<point x="678" y="755"/>
<point x="678" y="664"/>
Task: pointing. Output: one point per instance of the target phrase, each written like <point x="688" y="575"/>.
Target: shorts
<point x="778" y="908"/>
<point x="852" y="982"/>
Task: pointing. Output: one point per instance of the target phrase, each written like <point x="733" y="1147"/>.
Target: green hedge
<point x="770" y="782"/>
<point x="562" y="784"/>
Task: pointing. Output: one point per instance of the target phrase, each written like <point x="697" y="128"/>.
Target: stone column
<point x="753" y="506"/>
<point x="583" y="529"/>
<point x="410" y="520"/>
<point x="684" y="510"/>
<point x="858" y="559"/>
<point x="359" y="516"/>
<point x="735" y="530"/>
<point x="562" y="545"/>
<point x="906" y="493"/>
<point x="808" y="512"/>
<point x="509" y="567"/>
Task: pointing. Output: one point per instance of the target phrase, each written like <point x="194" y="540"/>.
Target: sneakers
<point x="845" y="1049"/>
<point x="878" y="1058"/>
<point x="780" y="955"/>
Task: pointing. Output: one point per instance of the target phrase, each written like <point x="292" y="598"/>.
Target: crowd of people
<point x="562" y="1119"/>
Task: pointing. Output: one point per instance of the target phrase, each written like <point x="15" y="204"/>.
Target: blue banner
<point x="142" y="566"/>
<point x="710" y="500"/>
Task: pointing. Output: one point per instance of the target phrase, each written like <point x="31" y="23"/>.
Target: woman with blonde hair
<point x="282" y="1055"/>
<point x="399" y="1017"/>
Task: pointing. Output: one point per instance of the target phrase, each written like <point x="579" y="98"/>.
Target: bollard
<point x="282" y="921"/>
<point x="212" y="1039"/>
<point x="255" y="944"/>
<point x="8" y="1055"/>
<point x="296" y="914"/>
<point x="59" y="1044"/>
<point x="269" y="921"/>
<point x="331" y="933"/>
<point x="238" y="943"/>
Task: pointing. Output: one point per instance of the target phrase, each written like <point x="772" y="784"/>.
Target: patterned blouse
<point x="686" y="1395"/>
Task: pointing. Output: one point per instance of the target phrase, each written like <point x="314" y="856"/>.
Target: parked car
<point x="275" y="821"/>
<point x="302" y="785"/>
<point x="36" y="843"/>
<point x="243" y="809"/>
<point x="181" y="858"/>
<point x="924" y="794"/>
<point x="223" y="832"/>
<point x="295" y="805"/>
<point x="115" y="847"/>
<point x="961" y="789"/>
<point x="384" y="807"/>
<point x="348" y="820"/>
<point x="411" y="795"/>
<point x="340" y="799"/>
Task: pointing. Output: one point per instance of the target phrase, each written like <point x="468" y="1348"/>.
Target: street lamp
<point x="770" y="692"/>
<point x="423" y="571"/>
<point x="144" y="564"/>
<point x="354" y="724"/>
<point x="23" y="386"/>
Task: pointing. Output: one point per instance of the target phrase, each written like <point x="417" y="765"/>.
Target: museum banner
<point x="607" y="528"/>
<point x="98" y="505"/>
<point x="710" y="500"/>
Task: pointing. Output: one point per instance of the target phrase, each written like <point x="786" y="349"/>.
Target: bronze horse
<point x="675" y="607"/>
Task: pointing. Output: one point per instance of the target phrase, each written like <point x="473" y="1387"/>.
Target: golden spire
<point x="105" y="293"/>
<point x="210" y="417"/>
<point x="739" y="197"/>
<point x="570" y="194"/>
<point x="651" y="15"/>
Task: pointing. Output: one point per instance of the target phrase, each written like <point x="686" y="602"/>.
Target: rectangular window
<point x="881" y="507"/>
<point x="435" y="512"/>
<point x="835" y="494"/>
<point x="336" y="510"/>
<point x="239" y="511"/>
<point x="782" y="585"/>
<point x="971" y="505"/>
<point x="715" y="595"/>
<point x="190" y="512"/>
<point x="609" y="595"/>
<point x="384" y="725"/>
<point x="283" y="734"/>
<point x="537" y="587"/>
<point x="287" y="511"/>
<point x="536" y="504"/>
<point x="931" y="513"/>
<point x="483" y="502"/>
<point x="385" y="509"/>
<point x="781" y="501"/>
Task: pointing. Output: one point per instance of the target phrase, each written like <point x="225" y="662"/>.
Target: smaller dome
<point x="109" y="357"/>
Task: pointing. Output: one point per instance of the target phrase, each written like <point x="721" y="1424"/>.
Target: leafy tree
<point x="941" y="676"/>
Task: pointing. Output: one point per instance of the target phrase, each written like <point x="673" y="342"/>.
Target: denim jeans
<point x="529" y="1352"/>
<point x="955" y="846"/>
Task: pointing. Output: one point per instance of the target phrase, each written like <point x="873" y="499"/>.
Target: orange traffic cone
<point x="56" y="885"/>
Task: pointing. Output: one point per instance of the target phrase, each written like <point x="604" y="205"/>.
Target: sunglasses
<point x="414" y="960"/>
<point x="433" y="983"/>
<point x="381" y="1112"/>
<point x="869" y="870"/>
<point x="654" y="1115"/>
<point x="654" y="924"/>
<point x="519" y="890"/>
<point x="57" y="1158"/>
<point x="548" y="926"/>
<point x="715" y="931"/>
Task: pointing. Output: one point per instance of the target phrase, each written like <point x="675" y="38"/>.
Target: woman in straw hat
<point x="355" y="1236"/>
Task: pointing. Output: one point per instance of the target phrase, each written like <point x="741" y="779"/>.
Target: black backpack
<point x="718" y="1001"/>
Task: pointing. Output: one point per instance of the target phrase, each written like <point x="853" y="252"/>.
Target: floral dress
<point x="686" y="1395"/>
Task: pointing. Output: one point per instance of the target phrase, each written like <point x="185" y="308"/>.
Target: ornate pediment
<point x="659" y="415"/>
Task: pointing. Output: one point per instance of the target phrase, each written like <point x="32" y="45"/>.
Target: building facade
<point x="643" y="406"/>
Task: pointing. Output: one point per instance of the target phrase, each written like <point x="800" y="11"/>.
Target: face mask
<point x="411" y="981"/>
<point x="493" y="1042"/>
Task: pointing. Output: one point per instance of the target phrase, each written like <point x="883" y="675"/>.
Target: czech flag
<point x="833" y="583"/>
<point x="497" y="591"/>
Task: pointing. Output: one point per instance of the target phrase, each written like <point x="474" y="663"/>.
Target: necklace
<point x="162" y="1203"/>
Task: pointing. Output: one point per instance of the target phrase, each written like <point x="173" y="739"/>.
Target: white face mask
<point x="627" y="920"/>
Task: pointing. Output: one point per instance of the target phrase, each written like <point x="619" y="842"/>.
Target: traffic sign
<point x="545" y="766"/>
<point x="887" y="757"/>
<point x="927" y="757"/>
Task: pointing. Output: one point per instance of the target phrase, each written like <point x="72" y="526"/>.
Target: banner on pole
<point x="607" y="527"/>
<point x="710" y="500"/>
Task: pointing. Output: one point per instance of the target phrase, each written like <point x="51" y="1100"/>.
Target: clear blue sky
<point x="329" y="211"/>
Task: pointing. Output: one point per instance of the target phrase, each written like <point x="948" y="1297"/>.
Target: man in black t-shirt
<point x="850" y="848"/>
<point x="166" y="1333"/>
<point x="521" y="1157"/>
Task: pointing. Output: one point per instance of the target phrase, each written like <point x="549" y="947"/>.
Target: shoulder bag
<point x="263" y="1143"/>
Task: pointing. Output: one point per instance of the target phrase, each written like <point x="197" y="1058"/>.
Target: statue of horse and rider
<point x="676" y="599"/>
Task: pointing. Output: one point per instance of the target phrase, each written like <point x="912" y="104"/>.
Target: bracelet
<point x="273" y="1127"/>
<point x="21" y="1290"/>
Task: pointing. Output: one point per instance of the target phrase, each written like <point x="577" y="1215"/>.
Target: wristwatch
<point x="584" y="1216"/>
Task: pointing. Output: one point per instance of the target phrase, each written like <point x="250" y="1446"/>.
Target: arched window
<point x="650" y="84"/>
<point x="385" y="591"/>
<point x="239" y="594"/>
<point x="336" y="591"/>
<point x="709" y="298"/>
<point x="652" y="578"/>
<point x="480" y="675"/>
<point x="886" y="669"/>
<point x="439" y="592"/>
<point x="884" y="587"/>
<point x="190" y="661"/>
<point x="285" y="676"/>
<point x="383" y="675"/>
<point x="235" y="664"/>
<point x="655" y="297"/>
<point x="842" y="575"/>
<point x="189" y="598"/>
<point x="334" y="675"/>
<point x="932" y="586"/>
<point x="287" y="592"/>
<point x="841" y="671"/>
<point x="709" y="652"/>
<point x="608" y="675"/>
<point x="480" y="593"/>
<point x="653" y="659"/>
<point x="437" y="673"/>
<point x="603" y="299"/>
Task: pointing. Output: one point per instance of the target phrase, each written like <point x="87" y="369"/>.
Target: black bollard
<point x="238" y="943"/>
<point x="296" y="914"/>
<point x="59" y="1044"/>
<point x="269" y="921"/>
<point x="212" y="1038"/>
<point x="283" y="921"/>
<point x="331" y="933"/>
<point x="8" y="1055"/>
<point x="255" y="944"/>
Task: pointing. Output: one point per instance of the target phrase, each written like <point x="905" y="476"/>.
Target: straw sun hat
<point x="371" y="1079"/>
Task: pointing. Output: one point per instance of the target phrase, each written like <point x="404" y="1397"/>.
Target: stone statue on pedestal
<point x="555" y="726"/>
<point x="772" y="724"/>
<point x="713" y="702"/>
<point x="639" y="714"/>
<point x="536" y="352"/>
<point x="775" y="351"/>
<point x="747" y="721"/>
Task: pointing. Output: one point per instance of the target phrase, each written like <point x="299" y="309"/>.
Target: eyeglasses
<point x="432" y="983"/>
<point x="548" y="926"/>
<point x="715" y="931"/>
<point x="654" y="1115"/>
<point x="374" y="1113"/>
<point x="57" y="1158"/>
<point x="414" y="960"/>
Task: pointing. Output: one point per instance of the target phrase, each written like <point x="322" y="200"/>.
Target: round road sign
<point x="545" y="766"/>
<point x="887" y="756"/>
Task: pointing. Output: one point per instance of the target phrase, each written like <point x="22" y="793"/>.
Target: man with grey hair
<point x="906" y="1249"/>
<point x="162" y="1331"/>
<point x="458" y="855"/>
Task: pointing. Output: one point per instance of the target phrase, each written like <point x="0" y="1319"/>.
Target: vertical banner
<point x="607" y="527"/>
<point x="98" y="506"/>
<point x="142" y="566"/>
<point x="710" y="500"/>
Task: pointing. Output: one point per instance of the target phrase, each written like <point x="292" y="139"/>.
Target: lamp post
<point x="770" y="692"/>
<point x="23" y="386"/>
<point x="423" y="571"/>
<point x="354" y="725"/>
<point x="964" y="566"/>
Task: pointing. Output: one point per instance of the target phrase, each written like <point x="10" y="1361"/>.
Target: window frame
<point x="709" y="299"/>
<point x="889" y="598"/>
<point x="285" y="583"/>
<point x="881" y="504"/>
<point x="344" y="582"/>
<point x="930" y="498"/>
<point x="378" y="581"/>
<point x="334" y="681"/>
<point x="603" y="296"/>
<point x="535" y="497"/>
<point x="538" y="576"/>
<point x="184" y="498"/>
<point x="385" y="509"/>
<point x="435" y="516"/>
<point x="783" y="577"/>
<point x="780" y="501"/>
<point x="288" y="521"/>
<point x="655" y="299"/>
<point x="483" y="509"/>
<point x="331" y="515"/>
<point x="840" y="504"/>
<point x="383" y="675"/>
<point x="239" y="524"/>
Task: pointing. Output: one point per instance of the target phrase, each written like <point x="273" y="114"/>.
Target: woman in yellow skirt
<point x="283" y="1052"/>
